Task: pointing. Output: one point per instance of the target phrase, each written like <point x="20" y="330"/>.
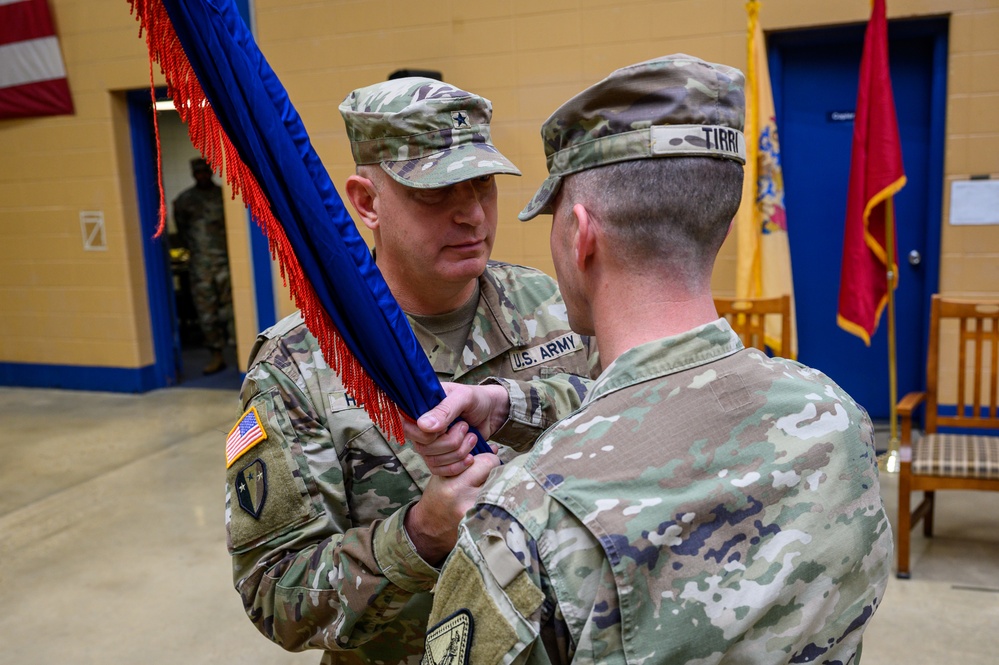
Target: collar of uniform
<point x="450" y="365"/>
<point x="443" y="336"/>
<point x="445" y="362"/>
<point x="484" y="344"/>
<point x="490" y="295"/>
<point x="668" y="355"/>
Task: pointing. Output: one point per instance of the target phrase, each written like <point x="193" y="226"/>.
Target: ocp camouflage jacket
<point x="327" y="564"/>
<point x="707" y="504"/>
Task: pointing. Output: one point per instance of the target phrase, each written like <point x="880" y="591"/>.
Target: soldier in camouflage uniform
<point x="201" y="225"/>
<point x="334" y="531"/>
<point x="707" y="504"/>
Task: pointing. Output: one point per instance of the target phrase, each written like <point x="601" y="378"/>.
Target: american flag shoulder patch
<point x="245" y="434"/>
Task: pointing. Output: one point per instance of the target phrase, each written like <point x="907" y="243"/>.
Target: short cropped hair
<point x="671" y="212"/>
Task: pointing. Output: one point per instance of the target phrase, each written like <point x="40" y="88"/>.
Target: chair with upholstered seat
<point x="962" y="369"/>
<point x="747" y="316"/>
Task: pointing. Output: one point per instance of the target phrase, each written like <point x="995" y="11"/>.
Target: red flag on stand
<point x="876" y="174"/>
<point x="32" y="73"/>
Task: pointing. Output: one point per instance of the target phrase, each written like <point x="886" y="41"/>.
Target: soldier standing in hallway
<point x="200" y="218"/>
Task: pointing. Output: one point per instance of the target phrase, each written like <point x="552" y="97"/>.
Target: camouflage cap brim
<point x="541" y="204"/>
<point x="658" y="141"/>
<point x="673" y="106"/>
<point x="448" y="167"/>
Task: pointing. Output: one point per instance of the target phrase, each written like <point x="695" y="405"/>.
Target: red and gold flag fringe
<point x="215" y="146"/>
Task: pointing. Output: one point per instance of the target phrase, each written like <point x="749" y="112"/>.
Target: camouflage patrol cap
<point x="676" y="105"/>
<point x="423" y="132"/>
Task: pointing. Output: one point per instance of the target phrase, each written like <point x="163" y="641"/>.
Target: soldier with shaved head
<point x="707" y="503"/>
<point x="334" y="531"/>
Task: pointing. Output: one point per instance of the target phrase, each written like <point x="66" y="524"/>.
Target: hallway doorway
<point x="178" y="340"/>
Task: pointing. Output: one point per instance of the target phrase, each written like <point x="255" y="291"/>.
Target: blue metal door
<point x="815" y="75"/>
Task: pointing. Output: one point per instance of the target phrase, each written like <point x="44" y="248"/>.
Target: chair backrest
<point x="747" y="316"/>
<point x="964" y="341"/>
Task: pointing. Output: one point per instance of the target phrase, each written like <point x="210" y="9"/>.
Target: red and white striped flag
<point x="32" y="74"/>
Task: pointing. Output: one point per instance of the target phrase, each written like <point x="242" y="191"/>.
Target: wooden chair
<point x="748" y="315"/>
<point x="966" y="336"/>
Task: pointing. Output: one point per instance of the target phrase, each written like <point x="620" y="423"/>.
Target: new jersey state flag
<point x="763" y="258"/>
<point x="32" y="74"/>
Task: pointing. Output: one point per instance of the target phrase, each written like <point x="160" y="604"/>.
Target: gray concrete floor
<point x="112" y="543"/>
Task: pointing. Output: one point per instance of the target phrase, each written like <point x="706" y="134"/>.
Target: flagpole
<point x="890" y="463"/>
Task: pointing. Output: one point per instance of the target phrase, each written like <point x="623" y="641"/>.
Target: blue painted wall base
<point x="77" y="377"/>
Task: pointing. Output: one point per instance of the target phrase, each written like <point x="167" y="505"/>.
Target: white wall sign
<point x="92" y="225"/>
<point x="974" y="202"/>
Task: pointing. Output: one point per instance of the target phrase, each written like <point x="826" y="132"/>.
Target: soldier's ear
<point x="362" y="195"/>
<point x="584" y="242"/>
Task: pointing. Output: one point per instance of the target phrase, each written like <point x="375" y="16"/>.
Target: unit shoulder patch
<point x="251" y="487"/>
<point x="450" y="641"/>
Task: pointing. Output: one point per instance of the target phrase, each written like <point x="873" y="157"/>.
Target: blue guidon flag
<point x="238" y="115"/>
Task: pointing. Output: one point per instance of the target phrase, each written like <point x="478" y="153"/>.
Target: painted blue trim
<point x="159" y="287"/>
<point x="78" y="377"/>
<point x="935" y="170"/>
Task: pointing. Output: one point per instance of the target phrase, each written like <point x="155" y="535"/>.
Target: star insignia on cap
<point x="459" y="119"/>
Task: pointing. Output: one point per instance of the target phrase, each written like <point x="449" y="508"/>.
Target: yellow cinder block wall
<point x="62" y="305"/>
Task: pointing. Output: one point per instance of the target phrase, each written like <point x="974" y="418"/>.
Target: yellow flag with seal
<point x="763" y="258"/>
